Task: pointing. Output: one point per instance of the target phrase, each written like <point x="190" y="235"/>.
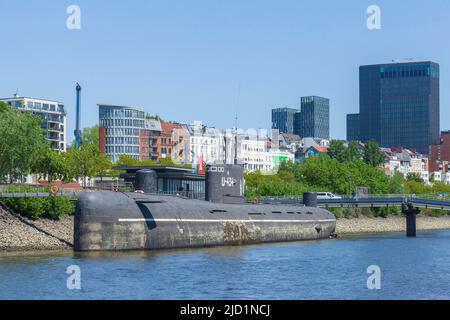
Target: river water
<point x="328" y="269"/>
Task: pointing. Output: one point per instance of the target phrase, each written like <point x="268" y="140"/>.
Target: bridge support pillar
<point x="411" y="214"/>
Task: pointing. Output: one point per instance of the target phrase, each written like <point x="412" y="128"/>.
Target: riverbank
<point x="389" y="224"/>
<point x="21" y="234"/>
<point x="18" y="233"/>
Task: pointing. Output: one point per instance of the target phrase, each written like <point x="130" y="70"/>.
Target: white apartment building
<point x="54" y="117"/>
<point x="252" y="152"/>
<point x="207" y="142"/>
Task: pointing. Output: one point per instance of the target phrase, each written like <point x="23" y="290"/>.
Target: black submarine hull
<point x="107" y="220"/>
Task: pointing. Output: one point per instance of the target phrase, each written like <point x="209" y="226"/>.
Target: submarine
<point x="146" y="220"/>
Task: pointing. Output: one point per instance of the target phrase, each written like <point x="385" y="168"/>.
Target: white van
<point x="327" y="195"/>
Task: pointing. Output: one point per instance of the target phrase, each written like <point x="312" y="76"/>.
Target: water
<point x="330" y="269"/>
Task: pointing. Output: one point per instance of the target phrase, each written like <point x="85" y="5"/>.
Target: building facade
<point x="181" y="144"/>
<point x="252" y="152"/>
<point x="206" y="142"/>
<point x="315" y="117"/>
<point x="399" y="104"/>
<point x="440" y="153"/>
<point x="54" y="118"/>
<point x="153" y="132"/>
<point x="122" y="131"/>
<point x="283" y="119"/>
<point x="353" y="132"/>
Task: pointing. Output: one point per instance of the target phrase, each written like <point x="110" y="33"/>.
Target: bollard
<point x="145" y="181"/>
<point x="310" y="199"/>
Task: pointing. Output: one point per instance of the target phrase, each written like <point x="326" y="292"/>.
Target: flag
<point x="201" y="165"/>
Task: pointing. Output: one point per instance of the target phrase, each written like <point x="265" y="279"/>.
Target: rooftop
<point x="101" y="105"/>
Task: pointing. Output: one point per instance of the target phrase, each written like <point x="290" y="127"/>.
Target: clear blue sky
<point x="185" y="60"/>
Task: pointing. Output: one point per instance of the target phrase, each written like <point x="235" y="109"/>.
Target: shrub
<point x="43" y="207"/>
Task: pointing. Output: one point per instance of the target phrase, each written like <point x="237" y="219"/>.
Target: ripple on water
<point x="328" y="269"/>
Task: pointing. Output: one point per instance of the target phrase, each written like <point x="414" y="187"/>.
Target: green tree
<point x="414" y="176"/>
<point x="87" y="161"/>
<point x="22" y="141"/>
<point x="53" y="165"/>
<point x="352" y="152"/>
<point x="372" y="154"/>
<point x="396" y="183"/>
<point x="337" y="150"/>
<point x="91" y="135"/>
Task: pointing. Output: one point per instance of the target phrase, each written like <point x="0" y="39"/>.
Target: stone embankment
<point x="21" y="234"/>
<point x="390" y="224"/>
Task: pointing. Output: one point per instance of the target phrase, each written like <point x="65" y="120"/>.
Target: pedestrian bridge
<point x="370" y="201"/>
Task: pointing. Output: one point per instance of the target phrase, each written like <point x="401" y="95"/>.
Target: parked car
<point x="327" y="195"/>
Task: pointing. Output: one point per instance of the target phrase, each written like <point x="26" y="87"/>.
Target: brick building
<point x="440" y="154"/>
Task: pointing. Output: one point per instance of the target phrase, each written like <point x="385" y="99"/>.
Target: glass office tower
<point x="315" y="117"/>
<point x="353" y="131"/>
<point x="399" y="104"/>
<point x="283" y="119"/>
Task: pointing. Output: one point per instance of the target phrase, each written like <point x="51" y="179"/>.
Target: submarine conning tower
<point x="107" y="220"/>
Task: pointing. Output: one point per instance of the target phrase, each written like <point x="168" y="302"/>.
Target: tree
<point x="414" y="176"/>
<point x="22" y="142"/>
<point x="54" y="165"/>
<point x="87" y="161"/>
<point x="91" y="135"/>
<point x="337" y="150"/>
<point x="396" y="183"/>
<point x="372" y="154"/>
<point x="352" y="153"/>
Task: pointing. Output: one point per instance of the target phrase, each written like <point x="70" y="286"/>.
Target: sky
<point x="206" y="59"/>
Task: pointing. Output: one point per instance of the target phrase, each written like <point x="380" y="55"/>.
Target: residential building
<point x="252" y="152"/>
<point x="283" y="119"/>
<point x="292" y="141"/>
<point x="181" y="144"/>
<point x="152" y="133"/>
<point x="206" y="142"/>
<point x="280" y="155"/>
<point x="165" y="142"/>
<point x="122" y="130"/>
<point x="399" y="105"/>
<point x="405" y="161"/>
<point x="440" y="153"/>
<point x="54" y="118"/>
<point x="314" y="118"/>
<point x="314" y="151"/>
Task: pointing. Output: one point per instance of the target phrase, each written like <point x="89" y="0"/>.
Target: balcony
<point x="52" y="136"/>
<point x="54" y="127"/>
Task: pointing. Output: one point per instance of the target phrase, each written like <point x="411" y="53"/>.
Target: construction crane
<point x="77" y="124"/>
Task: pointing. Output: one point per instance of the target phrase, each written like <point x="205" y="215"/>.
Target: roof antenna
<point x="17" y="93"/>
<point x="235" y="125"/>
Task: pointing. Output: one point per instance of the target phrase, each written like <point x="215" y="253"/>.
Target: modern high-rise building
<point x="314" y="118"/>
<point x="353" y="127"/>
<point x="399" y="104"/>
<point x="283" y="119"/>
<point x="54" y="118"/>
<point x="121" y="131"/>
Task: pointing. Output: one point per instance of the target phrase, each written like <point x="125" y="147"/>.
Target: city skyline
<point x="205" y="59"/>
